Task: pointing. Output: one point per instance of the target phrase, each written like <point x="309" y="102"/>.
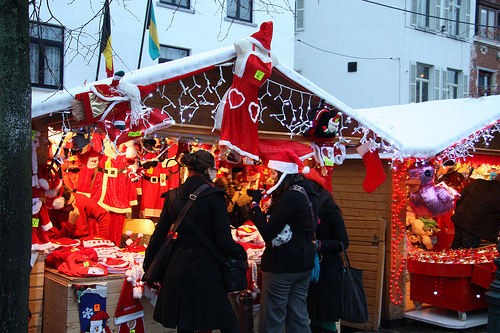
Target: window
<point x="452" y="84"/>
<point x="487" y="21"/>
<point x="240" y="10"/>
<point x="454" y="23"/>
<point x="425" y="14"/>
<point x="177" y="3"/>
<point x="486" y="83"/>
<point x="423" y="7"/>
<point x="422" y="82"/>
<point x="299" y="15"/>
<point x="168" y="53"/>
<point x="46" y="55"/>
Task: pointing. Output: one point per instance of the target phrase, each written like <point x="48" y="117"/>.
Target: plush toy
<point x="428" y="199"/>
<point x="421" y="231"/>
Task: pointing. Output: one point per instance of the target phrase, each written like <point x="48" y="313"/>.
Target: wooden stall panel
<point x="36" y="295"/>
<point x="366" y="251"/>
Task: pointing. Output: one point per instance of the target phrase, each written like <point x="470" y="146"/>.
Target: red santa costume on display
<point x="89" y="158"/>
<point x="239" y="128"/>
<point x="157" y="180"/>
<point x="113" y="190"/>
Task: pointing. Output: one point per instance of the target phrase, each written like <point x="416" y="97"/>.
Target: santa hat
<point x="129" y="308"/>
<point x="286" y="162"/>
<point x="262" y="38"/>
<point x="48" y="178"/>
<point x="55" y="200"/>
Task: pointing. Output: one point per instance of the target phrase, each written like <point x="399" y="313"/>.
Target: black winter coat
<point x="323" y="299"/>
<point x="297" y="255"/>
<point x="477" y="210"/>
<point x="192" y="295"/>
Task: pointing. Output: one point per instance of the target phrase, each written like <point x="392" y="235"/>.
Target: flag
<point x="154" y="44"/>
<point x="106" y="40"/>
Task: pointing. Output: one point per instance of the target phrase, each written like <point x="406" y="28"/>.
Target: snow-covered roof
<point x="412" y="130"/>
<point x="61" y="100"/>
<point x="426" y="129"/>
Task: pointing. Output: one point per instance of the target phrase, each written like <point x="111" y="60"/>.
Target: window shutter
<point x="413" y="82"/>
<point x="438" y="14"/>
<point x="466" y="85"/>
<point x="299" y="15"/>
<point x="444" y="84"/>
<point x="467" y="26"/>
<point x="437" y="86"/>
<point x="446" y="16"/>
<point x="414" y="9"/>
<point x="432" y="14"/>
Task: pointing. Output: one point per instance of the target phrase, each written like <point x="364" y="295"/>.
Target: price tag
<point x="259" y="75"/>
<point x="134" y="134"/>
<point x="34" y="222"/>
<point x="107" y="165"/>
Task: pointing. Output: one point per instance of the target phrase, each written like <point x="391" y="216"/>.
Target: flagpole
<point x="144" y="31"/>
<point x="99" y="57"/>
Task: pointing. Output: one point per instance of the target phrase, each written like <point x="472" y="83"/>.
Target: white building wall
<point x="382" y="42"/>
<point x="202" y="28"/>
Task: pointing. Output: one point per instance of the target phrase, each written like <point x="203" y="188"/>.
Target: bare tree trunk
<point x="15" y="166"/>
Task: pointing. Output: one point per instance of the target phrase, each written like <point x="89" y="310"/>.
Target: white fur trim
<point x="58" y="203"/>
<point x="36" y="205"/>
<point x="258" y="43"/>
<point x="285" y="167"/>
<point x="43" y="183"/>
<point x="272" y="189"/>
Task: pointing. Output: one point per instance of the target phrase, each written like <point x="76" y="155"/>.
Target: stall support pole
<point x="245" y="316"/>
<point x="493" y="298"/>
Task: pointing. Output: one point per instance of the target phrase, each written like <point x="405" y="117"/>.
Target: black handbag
<point x="353" y="307"/>
<point x="233" y="270"/>
<point x="155" y="271"/>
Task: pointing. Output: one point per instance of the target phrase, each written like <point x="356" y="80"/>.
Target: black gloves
<point x="257" y="196"/>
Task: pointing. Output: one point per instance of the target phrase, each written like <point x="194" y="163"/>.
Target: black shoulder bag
<point x="234" y="271"/>
<point x="156" y="270"/>
<point x="353" y="307"/>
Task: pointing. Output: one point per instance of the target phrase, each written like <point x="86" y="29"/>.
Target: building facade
<point x="486" y="50"/>
<point x="376" y="53"/>
<point x="65" y="48"/>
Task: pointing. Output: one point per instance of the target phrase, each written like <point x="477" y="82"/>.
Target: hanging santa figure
<point x="239" y="112"/>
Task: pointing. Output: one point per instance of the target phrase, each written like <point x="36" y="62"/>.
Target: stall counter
<point x="60" y="311"/>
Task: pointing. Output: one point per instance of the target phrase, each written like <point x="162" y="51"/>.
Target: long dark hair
<point x="288" y="181"/>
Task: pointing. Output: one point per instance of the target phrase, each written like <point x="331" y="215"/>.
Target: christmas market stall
<point x="432" y="150"/>
<point x="117" y="141"/>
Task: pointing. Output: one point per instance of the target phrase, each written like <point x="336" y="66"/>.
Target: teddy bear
<point x="420" y="230"/>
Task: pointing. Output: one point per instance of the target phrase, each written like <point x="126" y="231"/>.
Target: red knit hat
<point x="262" y="38"/>
<point x="286" y="161"/>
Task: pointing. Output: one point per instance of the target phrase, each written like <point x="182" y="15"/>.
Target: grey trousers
<point x="283" y="303"/>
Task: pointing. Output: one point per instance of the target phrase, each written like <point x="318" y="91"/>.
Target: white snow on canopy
<point x="61" y="100"/>
<point x="426" y="129"/>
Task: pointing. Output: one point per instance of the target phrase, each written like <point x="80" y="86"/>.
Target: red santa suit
<point x="113" y="190"/>
<point x="239" y="128"/>
<point x="157" y="180"/>
<point x="40" y="225"/>
<point x="88" y="210"/>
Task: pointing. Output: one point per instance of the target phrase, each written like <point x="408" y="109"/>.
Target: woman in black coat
<point x="287" y="263"/>
<point x="323" y="300"/>
<point x="192" y="295"/>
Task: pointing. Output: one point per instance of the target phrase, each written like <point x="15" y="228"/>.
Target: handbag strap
<point x="178" y="205"/>
<point x="346" y="263"/>
<point x="174" y="227"/>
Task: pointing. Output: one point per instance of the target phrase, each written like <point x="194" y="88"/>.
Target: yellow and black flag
<point x="106" y="40"/>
